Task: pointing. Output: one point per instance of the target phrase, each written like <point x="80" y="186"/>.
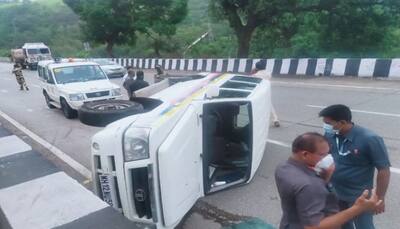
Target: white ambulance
<point x="192" y="139"/>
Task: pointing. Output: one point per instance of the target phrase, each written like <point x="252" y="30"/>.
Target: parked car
<point x="112" y="69"/>
<point x="187" y="140"/>
<point x="68" y="84"/>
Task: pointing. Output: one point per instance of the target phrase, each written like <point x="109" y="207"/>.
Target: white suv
<point x="68" y="85"/>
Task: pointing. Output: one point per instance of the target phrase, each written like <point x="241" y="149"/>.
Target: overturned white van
<point x="193" y="138"/>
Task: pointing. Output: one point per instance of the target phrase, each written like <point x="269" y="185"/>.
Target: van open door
<point x="227" y="143"/>
<point x="180" y="168"/>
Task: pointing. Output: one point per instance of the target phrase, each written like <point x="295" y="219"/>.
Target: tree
<point x="158" y="20"/>
<point x="117" y="21"/>
<point x="245" y="16"/>
<point x="106" y="21"/>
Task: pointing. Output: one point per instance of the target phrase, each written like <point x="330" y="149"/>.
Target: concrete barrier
<point x="356" y="67"/>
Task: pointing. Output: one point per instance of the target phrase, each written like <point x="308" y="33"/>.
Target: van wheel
<point x="101" y="113"/>
<point x="69" y="113"/>
<point x="48" y="100"/>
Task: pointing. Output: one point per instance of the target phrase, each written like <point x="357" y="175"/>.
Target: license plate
<point x="106" y="182"/>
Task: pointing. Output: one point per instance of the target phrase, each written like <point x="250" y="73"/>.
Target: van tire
<point x="68" y="112"/>
<point x="102" y="113"/>
<point x="48" y="100"/>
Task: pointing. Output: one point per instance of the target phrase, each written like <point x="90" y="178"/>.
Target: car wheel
<point x="48" y="100"/>
<point x="101" y="113"/>
<point x="69" y="113"/>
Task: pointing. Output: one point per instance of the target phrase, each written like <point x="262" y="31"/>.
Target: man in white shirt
<point x="259" y="71"/>
<point x="125" y="77"/>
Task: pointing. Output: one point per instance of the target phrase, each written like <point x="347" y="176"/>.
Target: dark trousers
<point x="363" y="221"/>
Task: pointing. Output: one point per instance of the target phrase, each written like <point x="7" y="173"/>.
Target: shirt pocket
<point x="354" y="156"/>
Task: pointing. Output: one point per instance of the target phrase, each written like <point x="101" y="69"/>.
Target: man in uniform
<point x="17" y="70"/>
<point x="357" y="152"/>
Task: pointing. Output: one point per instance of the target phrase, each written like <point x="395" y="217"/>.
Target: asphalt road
<point x="375" y="104"/>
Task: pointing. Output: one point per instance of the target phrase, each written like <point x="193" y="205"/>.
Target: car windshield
<point x="81" y="73"/>
<point x="105" y="62"/>
<point x="33" y="51"/>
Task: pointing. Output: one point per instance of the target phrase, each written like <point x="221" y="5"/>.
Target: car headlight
<point x="116" y="92"/>
<point x="77" y="97"/>
<point x="136" y="144"/>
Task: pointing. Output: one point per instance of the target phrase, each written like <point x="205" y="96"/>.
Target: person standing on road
<point x="139" y="83"/>
<point x="17" y="70"/>
<point x="307" y="200"/>
<point x="259" y="71"/>
<point x="128" y="81"/>
<point x="357" y="152"/>
<point x="160" y="74"/>
<point x="126" y="76"/>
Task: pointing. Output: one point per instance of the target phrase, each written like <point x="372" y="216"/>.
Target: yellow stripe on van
<point x="176" y="107"/>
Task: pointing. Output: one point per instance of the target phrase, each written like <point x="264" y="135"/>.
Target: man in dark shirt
<point x="306" y="198"/>
<point x="139" y="83"/>
<point x="357" y="152"/>
<point x="130" y="79"/>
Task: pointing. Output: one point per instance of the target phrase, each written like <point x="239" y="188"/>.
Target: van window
<point x="44" y="51"/>
<point x="33" y="51"/>
<point x="48" y="77"/>
<point x="247" y="79"/>
<point x="232" y="94"/>
<point x="40" y="73"/>
<point x="238" y="85"/>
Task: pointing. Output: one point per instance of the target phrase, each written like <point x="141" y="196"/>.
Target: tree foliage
<point x="118" y="21"/>
<point x="337" y="20"/>
<point x="42" y="21"/>
<point x="105" y="21"/>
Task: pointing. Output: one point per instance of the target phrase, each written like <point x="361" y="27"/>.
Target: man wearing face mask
<point x="307" y="200"/>
<point x="357" y="152"/>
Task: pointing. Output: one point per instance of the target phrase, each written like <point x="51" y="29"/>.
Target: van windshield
<point x="83" y="73"/>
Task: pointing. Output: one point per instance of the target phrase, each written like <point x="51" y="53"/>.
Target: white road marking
<point x="35" y="85"/>
<point x="332" y="85"/>
<point x="10" y="145"/>
<point x="395" y="170"/>
<point x="278" y="143"/>
<point x="361" y="111"/>
<point x="286" y="145"/>
<point x="4" y="90"/>
<point x="51" y="201"/>
<point x="29" y="110"/>
<point x="53" y="149"/>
